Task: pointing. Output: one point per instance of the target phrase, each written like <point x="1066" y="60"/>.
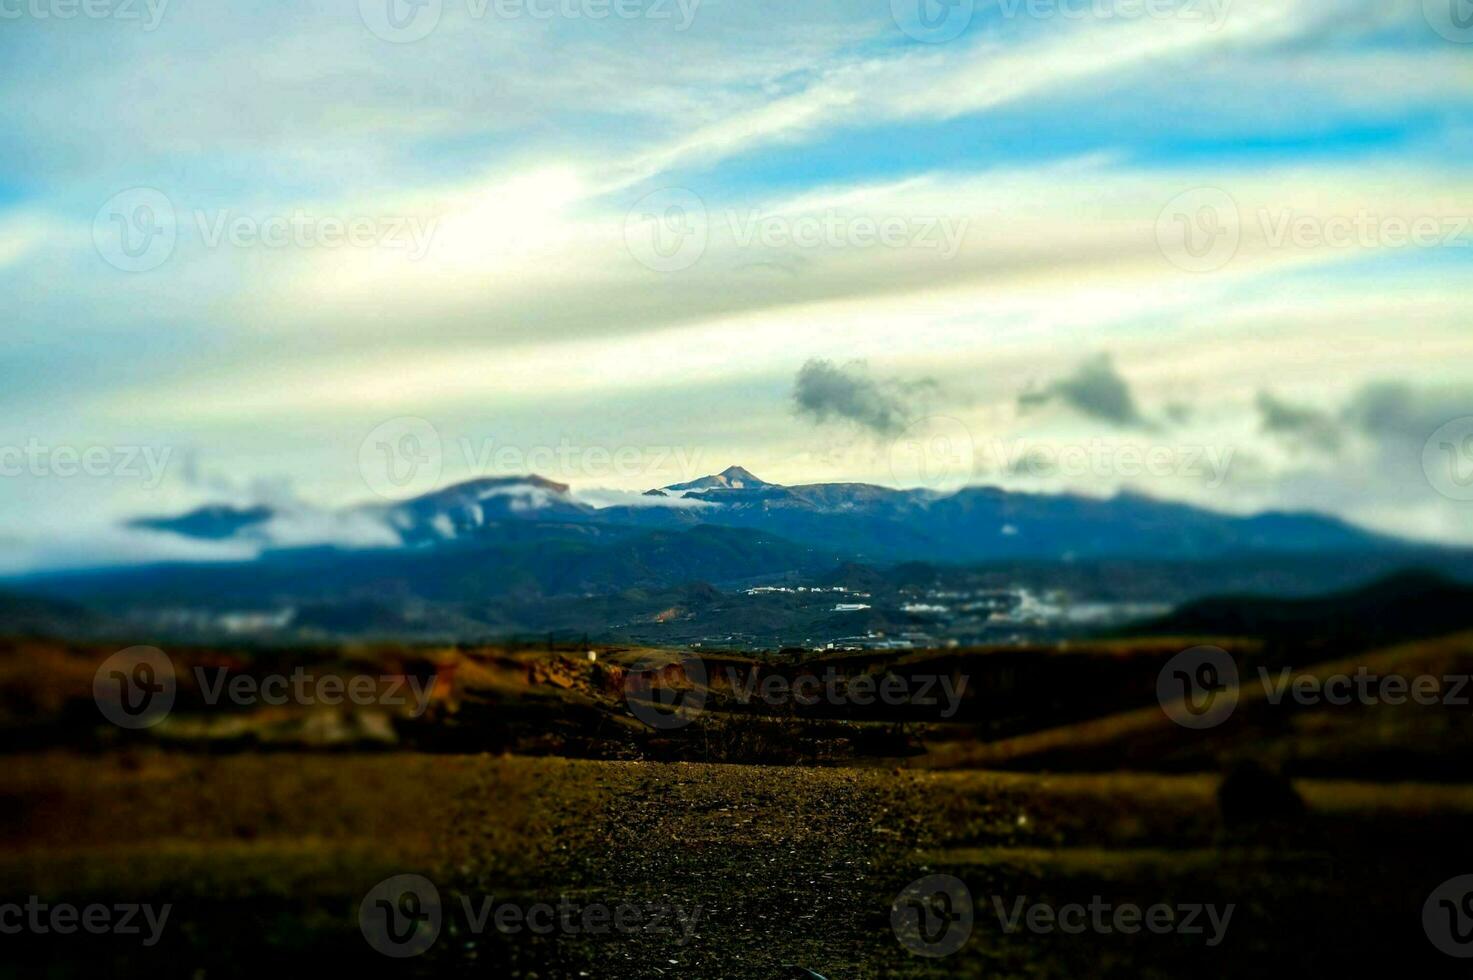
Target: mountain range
<point x="849" y="520"/>
<point x="525" y="552"/>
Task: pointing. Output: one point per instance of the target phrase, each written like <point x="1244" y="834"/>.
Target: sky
<point x="330" y="251"/>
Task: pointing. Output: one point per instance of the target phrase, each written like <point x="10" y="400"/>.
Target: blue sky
<point x="512" y="177"/>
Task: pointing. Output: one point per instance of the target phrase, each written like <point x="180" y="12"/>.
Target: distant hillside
<point x="28" y="615"/>
<point x="1393" y="740"/>
<point x="522" y="563"/>
<point x="1404" y="607"/>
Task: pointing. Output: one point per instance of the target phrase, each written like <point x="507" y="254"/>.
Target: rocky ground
<point x="267" y="858"/>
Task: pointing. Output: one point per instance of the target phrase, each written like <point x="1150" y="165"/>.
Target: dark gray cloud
<point x="1380" y="472"/>
<point x="1298" y="425"/>
<point x="1395" y="411"/>
<point x="829" y="392"/>
<point x="1387" y="414"/>
<point x="1095" y="390"/>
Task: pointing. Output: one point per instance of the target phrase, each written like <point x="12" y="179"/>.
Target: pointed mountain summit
<point x="731" y="478"/>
